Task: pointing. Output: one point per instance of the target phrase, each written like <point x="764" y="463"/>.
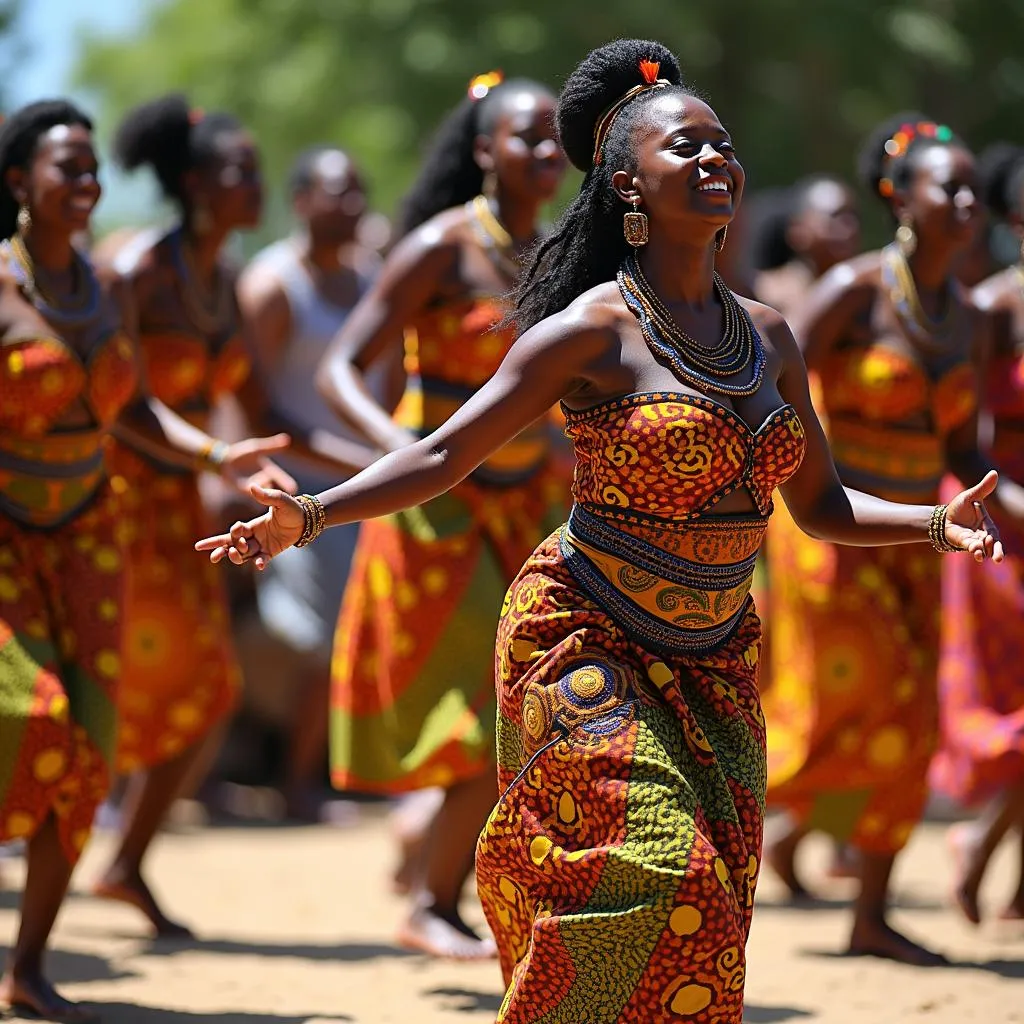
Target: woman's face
<point x="523" y="149"/>
<point x="61" y="184"/>
<point x="686" y="168"/>
<point x="230" y="187"/>
<point x="827" y="228"/>
<point x="941" y="199"/>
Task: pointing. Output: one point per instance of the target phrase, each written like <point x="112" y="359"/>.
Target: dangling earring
<point x="906" y="238"/>
<point x="634" y="225"/>
<point x="490" y="185"/>
<point x="24" y="220"/>
<point x="201" y="220"/>
<point x="720" y="239"/>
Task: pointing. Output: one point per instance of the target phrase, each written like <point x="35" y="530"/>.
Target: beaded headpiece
<point x="481" y="85"/>
<point x="649" y="72"/>
<point x="901" y="141"/>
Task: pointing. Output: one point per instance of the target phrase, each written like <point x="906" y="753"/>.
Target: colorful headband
<point x="901" y="141"/>
<point x="649" y="72"/>
<point x="480" y="86"/>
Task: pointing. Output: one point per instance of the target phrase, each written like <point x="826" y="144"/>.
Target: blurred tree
<point x="798" y="83"/>
<point x="12" y="46"/>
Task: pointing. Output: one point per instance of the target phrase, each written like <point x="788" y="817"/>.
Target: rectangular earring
<point x="634" y="225"/>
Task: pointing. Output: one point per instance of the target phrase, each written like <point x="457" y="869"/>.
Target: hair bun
<point x="601" y="78"/>
<point x="1000" y="167"/>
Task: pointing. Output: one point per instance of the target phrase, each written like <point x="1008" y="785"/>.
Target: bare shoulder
<point x="591" y="325"/>
<point x="998" y="292"/>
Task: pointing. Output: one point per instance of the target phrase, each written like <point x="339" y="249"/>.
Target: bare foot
<point x="878" y="939"/>
<point x="845" y="862"/>
<point x="131" y="889"/>
<point x="445" y="937"/>
<point x="31" y="993"/>
<point x="780" y="855"/>
<point x="963" y="848"/>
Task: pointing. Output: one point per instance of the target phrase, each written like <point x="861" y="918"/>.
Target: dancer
<point x="413" y="696"/>
<point x="618" y="868"/>
<point x="180" y="676"/>
<point x="294" y="297"/>
<point x="980" y="762"/>
<point x="810" y="228"/>
<point x="855" y="633"/>
<point x="67" y="370"/>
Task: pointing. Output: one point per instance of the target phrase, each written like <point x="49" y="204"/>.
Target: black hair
<point x="166" y="135"/>
<point x="450" y="175"/>
<point x="874" y="164"/>
<point x="774" y="211"/>
<point x="19" y="137"/>
<point x="1001" y="173"/>
<point x="303" y="172"/>
<point x="587" y="245"/>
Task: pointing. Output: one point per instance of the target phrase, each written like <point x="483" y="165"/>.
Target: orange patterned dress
<point x="852" y="701"/>
<point x="61" y="545"/>
<point x="412" y="674"/>
<point x="618" y="869"/>
<point x="181" y="676"/>
<point x="981" y="688"/>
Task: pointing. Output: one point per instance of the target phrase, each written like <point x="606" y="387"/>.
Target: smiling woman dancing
<point x="618" y="869"/>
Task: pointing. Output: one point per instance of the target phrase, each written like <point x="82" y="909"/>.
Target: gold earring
<point x="24" y="220"/>
<point x="720" y="239"/>
<point x="906" y="238"/>
<point x="634" y="225"/>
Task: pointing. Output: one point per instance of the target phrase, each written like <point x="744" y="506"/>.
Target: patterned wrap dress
<point x="981" y="681"/>
<point x="61" y="581"/>
<point x="181" y="676"/>
<point x="412" y="673"/>
<point x="618" y="868"/>
<point x="851" y="692"/>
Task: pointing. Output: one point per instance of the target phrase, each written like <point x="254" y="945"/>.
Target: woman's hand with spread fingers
<point x="259" y="539"/>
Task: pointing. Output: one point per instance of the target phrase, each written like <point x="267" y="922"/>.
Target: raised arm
<point x="823" y="508"/>
<point x="412" y="279"/>
<point x="551" y="361"/>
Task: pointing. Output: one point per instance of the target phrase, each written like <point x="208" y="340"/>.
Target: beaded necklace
<point x="701" y="366"/>
<point x="494" y="238"/>
<point x="210" y="313"/>
<point x="79" y="310"/>
<point x="899" y="281"/>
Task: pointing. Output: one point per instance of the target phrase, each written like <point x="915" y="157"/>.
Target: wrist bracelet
<point x="937" y="531"/>
<point x="212" y="454"/>
<point x="315" y="518"/>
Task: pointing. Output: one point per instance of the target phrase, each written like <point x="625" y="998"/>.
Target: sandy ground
<point x="295" y="928"/>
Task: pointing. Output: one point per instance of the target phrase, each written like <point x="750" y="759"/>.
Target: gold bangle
<point x="937" y="531"/>
<point x="212" y="454"/>
<point x="315" y="516"/>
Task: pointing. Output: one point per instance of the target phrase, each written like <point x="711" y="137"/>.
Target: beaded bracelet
<point x="212" y="454"/>
<point x="937" y="531"/>
<point x="315" y="516"/>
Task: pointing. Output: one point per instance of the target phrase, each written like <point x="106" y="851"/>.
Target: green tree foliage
<point x="798" y="83"/>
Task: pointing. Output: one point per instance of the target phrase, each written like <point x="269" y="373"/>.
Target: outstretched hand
<point x="968" y="524"/>
<point x="260" y="539"/>
<point x="246" y="464"/>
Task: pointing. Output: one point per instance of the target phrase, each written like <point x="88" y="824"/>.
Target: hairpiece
<point x="901" y="141"/>
<point x="481" y="85"/>
<point x="649" y="72"/>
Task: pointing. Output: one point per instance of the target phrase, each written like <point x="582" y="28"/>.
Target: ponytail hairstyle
<point x="1001" y="171"/>
<point x="587" y="245"/>
<point x="450" y="175"/>
<point x="171" y="139"/>
<point x="19" y="137"/>
<point x="889" y="156"/>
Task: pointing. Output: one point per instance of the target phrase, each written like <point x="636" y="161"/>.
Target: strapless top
<point x="674" y="456"/>
<point x="643" y="540"/>
<point x="450" y="352"/>
<point x="49" y="472"/>
<point x="888" y="418"/>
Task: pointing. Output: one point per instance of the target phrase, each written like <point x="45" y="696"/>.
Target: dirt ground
<point x="295" y="927"/>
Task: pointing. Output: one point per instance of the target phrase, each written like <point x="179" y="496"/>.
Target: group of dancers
<point x="608" y="761"/>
